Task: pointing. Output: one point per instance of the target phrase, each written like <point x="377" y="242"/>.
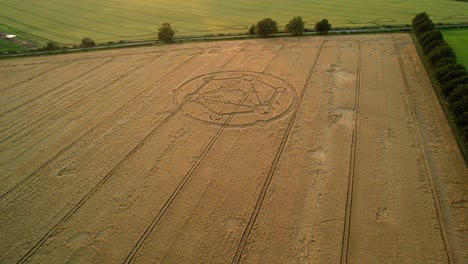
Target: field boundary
<point x="430" y="176"/>
<point x="443" y="104"/>
<point x="220" y="37"/>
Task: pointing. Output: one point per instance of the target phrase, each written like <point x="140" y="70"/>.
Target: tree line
<point x="452" y="76"/>
<point x="263" y="28"/>
<point x="295" y="27"/>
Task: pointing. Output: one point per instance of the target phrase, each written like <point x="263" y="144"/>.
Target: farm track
<point x="186" y="178"/>
<point x="240" y="248"/>
<point x="108" y="175"/>
<point x="352" y="164"/>
<point x="435" y="196"/>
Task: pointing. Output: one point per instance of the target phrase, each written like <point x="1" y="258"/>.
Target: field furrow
<point x="308" y="221"/>
<point x="390" y="185"/>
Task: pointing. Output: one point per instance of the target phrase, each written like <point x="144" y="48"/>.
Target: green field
<point x="68" y="21"/>
<point x="6" y="45"/>
<point x="458" y="39"/>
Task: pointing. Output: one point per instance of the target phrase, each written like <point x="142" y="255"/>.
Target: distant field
<point x="69" y="21"/>
<point x="458" y="39"/>
<point x="6" y="45"/>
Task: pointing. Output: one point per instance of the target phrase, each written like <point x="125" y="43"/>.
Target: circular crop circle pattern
<point x="246" y="98"/>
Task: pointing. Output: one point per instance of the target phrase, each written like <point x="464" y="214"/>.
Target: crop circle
<point x="235" y="98"/>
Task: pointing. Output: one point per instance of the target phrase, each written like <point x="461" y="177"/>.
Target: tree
<point x="88" y="42"/>
<point x="452" y="75"/>
<point x="422" y="23"/>
<point x="444" y="62"/>
<point x="419" y="18"/>
<point x="432" y="45"/>
<point x="458" y="93"/>
<point x="460" y="106"/>
<point x="439" y="52"/>
<point x="166" y="33"/>
<point x="251" y="30"/>
<point x="266" y="27"/>
<point x="52" y="46"/>
<point x="449" y="86"/>
<point x="295" y="26"/>
<point x="424" y="27"/>
<point x="430" y="36"/>
<point x="462" y="119"/>
<point x="323" y="27"/>
<point x="442" y="71"/>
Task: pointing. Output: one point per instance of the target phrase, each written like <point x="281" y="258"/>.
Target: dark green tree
<point x="432" y="45"/>
<point x="52" y="46"/>
<point x="422" y="23"/>
<point x="87" y="42"/>
<point x="440" y="52"/>
<point x="460" y="106"/>
<point x="419" y="18"/>
<point x="251" y="30"/>
<point x="449" y="86"/>
<point x="452" y="75"/>
<point x="444" y="62"/>
<point x="442" y="71"/>
<point x="166" y="33"/>
<point x="323" y="27"/>
<point x="462" y="119"/>
<point x="458" y="93"/>
<point x="429" y="36"/>
<point x="295" y="26"/>
<point x="266" y="27"/>
<point x="423" y="27"/>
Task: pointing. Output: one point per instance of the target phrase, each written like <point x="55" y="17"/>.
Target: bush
<point x="87" y="42"/>
<point x="266" y="27"/>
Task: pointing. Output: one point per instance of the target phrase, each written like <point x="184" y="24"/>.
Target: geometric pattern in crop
<point x="251" y="98"/>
